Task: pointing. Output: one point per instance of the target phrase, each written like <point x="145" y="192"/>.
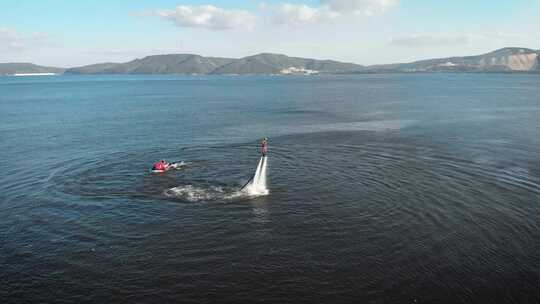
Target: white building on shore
<point x="298" y="71"/>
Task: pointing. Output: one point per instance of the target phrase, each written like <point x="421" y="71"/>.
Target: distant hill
<point x="503" y="60"/>
<point x="19" y="68"/>
<point x="92" y="69"/>
<point x="158" y="64"/>
<point x="195" y="64"/>
<point x="275" y="63"/>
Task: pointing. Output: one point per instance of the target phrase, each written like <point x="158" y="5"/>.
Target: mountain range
<point x="503" y="60"/>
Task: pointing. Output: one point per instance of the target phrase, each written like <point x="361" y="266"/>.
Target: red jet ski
<point x="162" y="166"/>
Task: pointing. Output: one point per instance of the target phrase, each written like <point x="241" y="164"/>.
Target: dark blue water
<point x="383" y="189"/>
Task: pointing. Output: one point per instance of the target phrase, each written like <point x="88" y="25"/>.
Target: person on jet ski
<point x="264" y="146"/>
<point x="161" y="165"/>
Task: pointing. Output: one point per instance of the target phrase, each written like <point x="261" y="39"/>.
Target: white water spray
<point x="257" y="185"/>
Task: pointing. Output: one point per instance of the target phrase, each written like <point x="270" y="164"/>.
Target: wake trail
<point x="255" y="187"/>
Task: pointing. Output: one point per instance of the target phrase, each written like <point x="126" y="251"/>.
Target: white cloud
<point x="459" y="39"/>
<point x="422" y="40"/>
<point x="292" y="14"/>
<point x="14" y="41"/>
<point x="208" y="17"/>
<point x="505" y="36"/>
<point x="215" y="18"/>
<point x="299" y="14"/>
<point x="365" y="7"/>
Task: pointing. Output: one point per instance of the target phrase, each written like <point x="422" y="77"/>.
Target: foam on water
<point x="195" y="194"/>
<point x="256" y="187"/>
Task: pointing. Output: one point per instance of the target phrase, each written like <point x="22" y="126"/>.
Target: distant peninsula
<point x="506" y="60"/>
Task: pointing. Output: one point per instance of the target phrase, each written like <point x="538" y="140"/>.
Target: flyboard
<point x="171" y="166"/>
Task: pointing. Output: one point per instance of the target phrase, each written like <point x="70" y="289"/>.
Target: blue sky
<point x="70" y="33"/>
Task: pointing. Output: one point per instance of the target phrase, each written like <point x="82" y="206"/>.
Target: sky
<point x="67" y="33"/>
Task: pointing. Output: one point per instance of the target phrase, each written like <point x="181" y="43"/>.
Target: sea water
<point x="382" y="188"/>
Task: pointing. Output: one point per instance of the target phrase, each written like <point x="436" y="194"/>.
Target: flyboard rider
<point x="264" y="152"/>
<point x="264" y="146"/>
